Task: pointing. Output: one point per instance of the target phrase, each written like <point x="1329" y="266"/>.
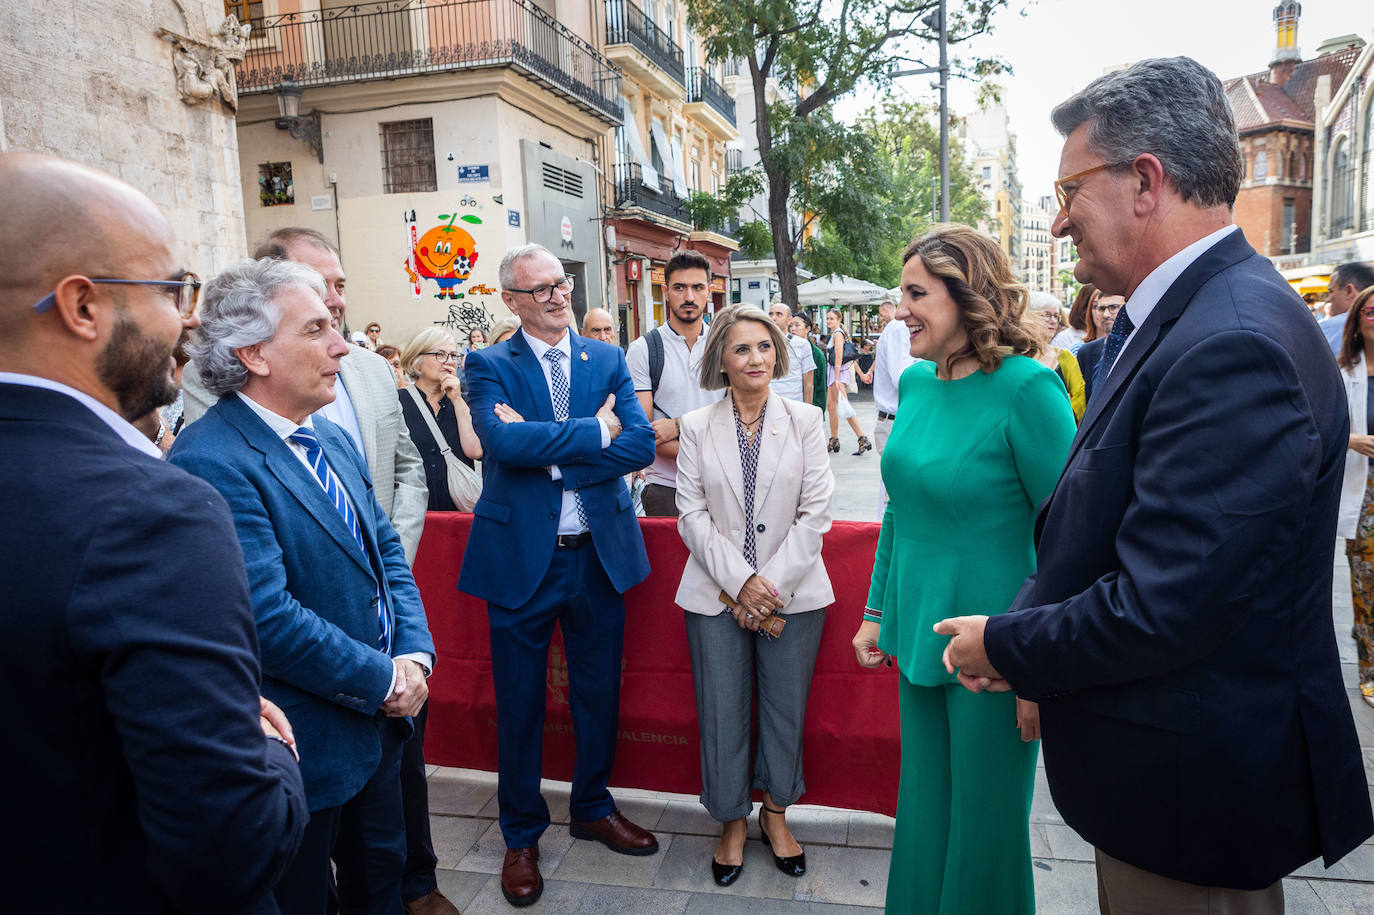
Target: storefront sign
<point x="718" y="284"/>
<point x="656" y="275"/>
<point x="632" y="269"/>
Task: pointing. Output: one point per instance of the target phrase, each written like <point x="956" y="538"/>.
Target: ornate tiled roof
<point x="1258" y="103"/>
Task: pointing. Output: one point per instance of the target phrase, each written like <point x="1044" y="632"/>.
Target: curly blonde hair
<point x="978" y="277"/>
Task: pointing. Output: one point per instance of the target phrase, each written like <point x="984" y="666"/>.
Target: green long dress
<point x="966" y="467"/>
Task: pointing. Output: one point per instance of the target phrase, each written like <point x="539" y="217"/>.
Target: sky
<point x="1059" y="46"/>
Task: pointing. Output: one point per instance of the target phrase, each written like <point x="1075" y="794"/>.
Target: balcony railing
<point x="734" y="161"/>
<point x="398" y="38"/>
<point x="626" y="23"/>
<point x="630" y="191"/>
<point x="701" y="87"/>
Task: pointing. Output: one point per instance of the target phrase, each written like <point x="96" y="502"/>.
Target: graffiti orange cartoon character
<point x="445" y="254"/>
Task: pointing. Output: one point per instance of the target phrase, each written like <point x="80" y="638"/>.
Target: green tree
<point x="822" y="51"/>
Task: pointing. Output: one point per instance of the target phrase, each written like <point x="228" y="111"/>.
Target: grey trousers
<point x="1124" y="889"/>
<point x="726" y="663"/>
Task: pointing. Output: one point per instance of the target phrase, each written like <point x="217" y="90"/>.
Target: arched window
<point x="1292" y="171"/>
<point x="1261" y="165"/>
<point x="1368" y="169"/>
<point x="1342" y="188"/>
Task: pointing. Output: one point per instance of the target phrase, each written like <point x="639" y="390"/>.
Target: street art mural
<point x="445" y="254"/>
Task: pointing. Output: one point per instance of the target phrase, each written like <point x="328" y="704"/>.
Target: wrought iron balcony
<point x="734" y="161"/>
<point x="630" y="191"/>
<point x="626" y="23"/>
<point x="397" y="38"/>
<point x="702" y="87"/>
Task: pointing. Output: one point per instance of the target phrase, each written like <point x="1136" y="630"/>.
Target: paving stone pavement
<point x="847" y="851"/>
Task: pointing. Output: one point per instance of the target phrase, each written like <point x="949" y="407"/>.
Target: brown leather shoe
<point x="616" y="833"/>
<point x="520" y="880"/>
<point x="432" y="903"/>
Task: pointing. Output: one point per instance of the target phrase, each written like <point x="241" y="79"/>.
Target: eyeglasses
<point x="187" y="291"/>
<point x="442" y="357"/>
<point x="542" y="294"/>
<point x="1107" y="309"/>
<point x="1065" y="195"/>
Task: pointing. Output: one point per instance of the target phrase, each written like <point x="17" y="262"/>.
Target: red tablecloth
<point x="851" y="739"/>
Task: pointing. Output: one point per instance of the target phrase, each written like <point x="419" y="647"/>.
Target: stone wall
<point x="93" y="81"/>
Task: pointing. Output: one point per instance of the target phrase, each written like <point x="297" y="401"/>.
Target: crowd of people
<point x="1120" y="542"/>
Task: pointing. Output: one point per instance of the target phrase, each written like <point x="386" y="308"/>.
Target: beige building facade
<point x="147" y="96"/>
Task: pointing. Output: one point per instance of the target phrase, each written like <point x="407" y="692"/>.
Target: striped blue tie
<point x="334" y="490"/>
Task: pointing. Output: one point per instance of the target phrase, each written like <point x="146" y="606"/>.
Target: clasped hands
<point x="606" y="414"/>
<point x="757" y="599"/>
<point x="410" y="690"/>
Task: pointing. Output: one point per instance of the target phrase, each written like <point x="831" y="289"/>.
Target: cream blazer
<point x="1356" y="464"/>
<point x="791" y="506"/>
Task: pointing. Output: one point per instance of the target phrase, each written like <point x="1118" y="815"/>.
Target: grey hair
<point x="1043" y="300"/>
<point x="508" y="324"/>
<point x="238" y="309"/>
<point x="505" y="274"/>
<point x="1171" y="107"/>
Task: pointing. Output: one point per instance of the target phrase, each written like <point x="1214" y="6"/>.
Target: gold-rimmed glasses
<point x="1065" y="195"/>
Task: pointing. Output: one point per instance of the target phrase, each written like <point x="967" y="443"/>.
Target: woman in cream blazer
<point x="1356" y="522"/>
<point x="753" y="499"/>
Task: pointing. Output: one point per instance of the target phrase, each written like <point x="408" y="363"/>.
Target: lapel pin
<point x="584" y="356"/>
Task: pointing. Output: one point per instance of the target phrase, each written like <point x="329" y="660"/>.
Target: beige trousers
<point x="1123" y="889"/>
<point x="881" y="430"/>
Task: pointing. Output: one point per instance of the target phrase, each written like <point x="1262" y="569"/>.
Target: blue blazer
<point x="1089" y="354"/>
<point x="129" y="677"/>
<point x="314" y="590"/>
<point x="516" y="521"/>
<point x="1177" y="632"/>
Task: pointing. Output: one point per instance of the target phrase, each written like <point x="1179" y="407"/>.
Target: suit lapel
<point x="363" y="407"/>
<point x="294" y="476"/>
<point x="725" y="441"/>
<point x="580" y="379"/>
<point x="774" y="437"/>
<point x="532" y="374"/>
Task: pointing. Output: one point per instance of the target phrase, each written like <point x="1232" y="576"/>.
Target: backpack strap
<point x="655" y="344"/>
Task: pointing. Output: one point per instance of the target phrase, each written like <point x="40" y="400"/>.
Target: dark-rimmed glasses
<point x="1065" y="195"/>
<point x="542" y="294"/>
<point x="187" y="292"/>
<point x="1108" y="309"/>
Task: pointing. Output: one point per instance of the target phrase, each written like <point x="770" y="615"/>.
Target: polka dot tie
<point x="1121" y="329"/>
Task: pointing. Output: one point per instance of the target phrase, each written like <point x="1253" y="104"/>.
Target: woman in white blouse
<point x="1356" y="359"/>
<point x="753" y="499"/>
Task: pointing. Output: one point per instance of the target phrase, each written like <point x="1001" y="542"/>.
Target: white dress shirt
<point x="284" y="428"/>
<point x="121" y="426"/>
<point x="893" y="356"/>
<point x="568" y="522"/>
<point x="1151" y="289"/>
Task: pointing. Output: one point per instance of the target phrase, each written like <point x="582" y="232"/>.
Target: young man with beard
<point x="142" y="751"/>
<point x="665" y="364"/>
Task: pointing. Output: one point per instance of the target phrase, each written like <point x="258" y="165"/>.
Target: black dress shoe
<point x="793" y="865"/>
<point x="725" y="874"/>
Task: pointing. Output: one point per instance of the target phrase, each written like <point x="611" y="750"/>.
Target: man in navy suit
<point x="1177" y="633"/>
<point x="138" y="776"/>
<point x="345" y="645"/>
<point x="555" y="539"/>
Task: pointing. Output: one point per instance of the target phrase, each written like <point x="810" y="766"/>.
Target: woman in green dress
<point x="981" y="435"/>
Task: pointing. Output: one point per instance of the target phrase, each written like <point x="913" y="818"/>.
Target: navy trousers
<point x="577" y="595"/>
<point x="420" y="879"/>
<point x="366" y="839"/>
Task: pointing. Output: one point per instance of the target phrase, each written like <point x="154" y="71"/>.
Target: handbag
<point x="464" y="483"/>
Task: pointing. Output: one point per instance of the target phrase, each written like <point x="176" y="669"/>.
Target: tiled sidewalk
<point x="847" y="851"/>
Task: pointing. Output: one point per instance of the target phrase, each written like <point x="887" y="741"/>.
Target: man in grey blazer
<point x="367" y="406"/>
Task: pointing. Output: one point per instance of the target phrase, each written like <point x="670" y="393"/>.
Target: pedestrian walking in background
<point x="802" y="326"/>
<point x="840" y="356"/>
<point x="753" y="495"/>
<point x="979" y="440"/>
<point x="1356" y="523"/>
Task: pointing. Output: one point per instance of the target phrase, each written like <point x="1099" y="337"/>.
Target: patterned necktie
<point x="334" y="490"/>
<point x="554" y="356"/>
<point x="1121" y="329"/>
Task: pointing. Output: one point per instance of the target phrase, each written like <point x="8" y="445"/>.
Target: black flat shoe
<point x="793" y="866"/>
<point x="724" y="874"/>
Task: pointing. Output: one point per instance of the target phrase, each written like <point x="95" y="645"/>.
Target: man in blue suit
<point x="555" y="539"/>
<point x="142" y="776"/>
<point x="1177" y="633"/>
<point x="345" y="645"/>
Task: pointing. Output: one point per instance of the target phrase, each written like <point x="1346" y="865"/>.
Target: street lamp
<point x="937" y="20"/>
<point x="301" y="128"/>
